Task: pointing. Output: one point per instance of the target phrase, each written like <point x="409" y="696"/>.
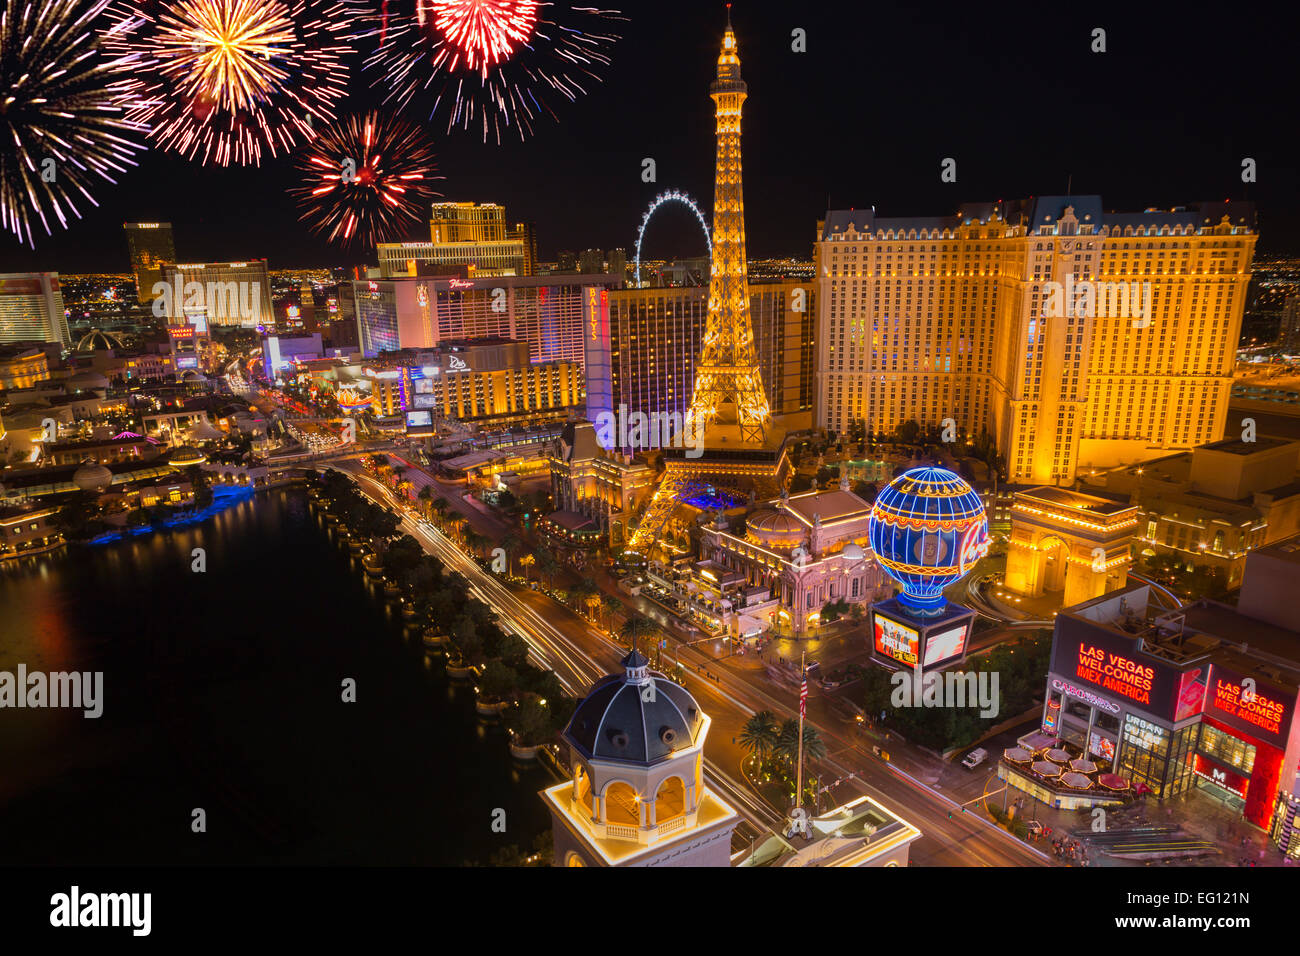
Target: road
<point x="580" y="654"/>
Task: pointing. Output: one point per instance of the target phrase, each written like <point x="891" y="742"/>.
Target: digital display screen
<point x="945" y="645"/>
<point x="895" y="640"/>
<point x="423" y="400"/>
<point x="187" y="361"/>
<point x="416" y="419"/>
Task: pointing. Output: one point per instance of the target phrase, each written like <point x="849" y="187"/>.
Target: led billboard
<point x="895" y="640"/>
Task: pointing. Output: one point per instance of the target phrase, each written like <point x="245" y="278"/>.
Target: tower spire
<point x="728" y="383"/>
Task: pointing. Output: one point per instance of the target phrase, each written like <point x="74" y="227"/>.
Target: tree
<point x="530" y="722"/>
<point x="760" y="734"/>
<point x="636" y="628"/>
<point x="609" y="604"/>
<point x="787" y="744"/>
<point x="511" y="545"/>
<point x="426" y="499"/>
<point x="526" y="562"/>
<point x="547" y="565"/>
<point x="498" y="681"/>
<point x="467" y="638"/>
<point x="866" y="490"/>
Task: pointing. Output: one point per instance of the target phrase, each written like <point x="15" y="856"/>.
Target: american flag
<point x="803" y="696"/>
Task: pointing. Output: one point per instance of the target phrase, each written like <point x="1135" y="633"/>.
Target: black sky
<point x="864" y="117"/>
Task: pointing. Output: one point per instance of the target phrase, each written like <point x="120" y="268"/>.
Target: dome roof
<point x="191" y="375"/>
<point x="853" y="552"/>
<point x="92" y="476"/>
<point x="621" y="719"/>
<point x="97" y="339"/>
<point x="776" y="528"/>
<point x="185" y="455"/>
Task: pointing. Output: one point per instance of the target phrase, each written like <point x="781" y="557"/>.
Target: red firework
<point x="493" y="64"/>
<point x="367" y="177"/>
<point x="483" y="32"/>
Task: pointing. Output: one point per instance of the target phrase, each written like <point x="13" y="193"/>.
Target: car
<point x="1033" y="826"/>
<point x="975" y="758"/>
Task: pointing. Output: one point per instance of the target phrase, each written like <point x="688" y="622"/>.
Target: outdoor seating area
<point x="1058" y="775"/>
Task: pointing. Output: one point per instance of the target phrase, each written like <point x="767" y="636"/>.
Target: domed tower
<point x="637" y="795"/>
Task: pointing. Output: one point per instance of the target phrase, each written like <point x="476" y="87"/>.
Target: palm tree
<point x="511" y="544"/>
<point x="637" y="627"/>
<point x="609" y="604"/>
<point x="440" y="505"/>
<point x="547" y="565"/>
<point x="761" y="734"/>
<point x="426" y="498"/>
<point x="473" y="541"/>
<point x="585" y="592"/>
<point x="526" y="562"/>
<point x="787" y="745"/>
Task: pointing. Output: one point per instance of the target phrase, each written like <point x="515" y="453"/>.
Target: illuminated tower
<point x="729" y="421"/>
<point x="728" y="385"/>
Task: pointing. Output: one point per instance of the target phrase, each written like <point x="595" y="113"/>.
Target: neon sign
<point x="1115" y="672"/>
<point x="1254" y="707"/>
<point x="1087" y="697"/>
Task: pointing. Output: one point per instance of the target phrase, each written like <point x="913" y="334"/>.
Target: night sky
<point x="864" y="117"/>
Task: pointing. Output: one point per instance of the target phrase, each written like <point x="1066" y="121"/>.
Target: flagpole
<point x="803" y="690"/>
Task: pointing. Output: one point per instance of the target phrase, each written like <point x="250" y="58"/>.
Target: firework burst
<point x="224" y="80"/>
<point x="366" y="177"/>
<point x="489" y="64"/>
<point x="63" y="113"/>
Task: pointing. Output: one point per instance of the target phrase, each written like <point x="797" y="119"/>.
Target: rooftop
<point x="828" y="505"/>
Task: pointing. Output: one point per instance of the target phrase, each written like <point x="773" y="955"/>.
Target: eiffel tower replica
<point x="743" y="449"/>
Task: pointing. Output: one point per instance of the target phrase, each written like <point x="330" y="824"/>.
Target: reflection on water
<point x="222" y="691"/>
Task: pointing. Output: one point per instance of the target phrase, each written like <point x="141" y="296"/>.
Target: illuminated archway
<point x="673" y="195"/>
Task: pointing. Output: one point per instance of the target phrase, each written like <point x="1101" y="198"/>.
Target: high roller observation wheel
<point x="673" y="195"/>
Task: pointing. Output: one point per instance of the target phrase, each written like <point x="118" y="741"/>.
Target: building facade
<point x="31" y="309"/>
<point x="22" y="366"/>
<point x="796" y="555"/>
<point x="206" y="294"/>
<point x="468" y="240"/>
<point x="551" y="314"/>
<point x="606" y="486"/>
<point x="1200" y="698"/>
<point x="1076" y="337"/>
<point x="150" y="246"/>
<point x="472" y="380"/>
<point x="644" y="355"/>
<point x="1213" y="506"/>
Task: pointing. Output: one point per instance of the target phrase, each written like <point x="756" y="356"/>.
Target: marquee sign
<point x="1249" y="706"/>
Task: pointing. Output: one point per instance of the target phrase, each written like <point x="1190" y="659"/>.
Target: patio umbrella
<point x="1083" y="766"/>
<point x="1045" y="769"/>
<point x="1017" y="754"/>
<point x="1077" y="781"/>
<point x="1057" y="755"/>
<point x="1113" y="782"/>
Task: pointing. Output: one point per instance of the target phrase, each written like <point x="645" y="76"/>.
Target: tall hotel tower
<point x="742" y="446"/>
<point x="1075" y="337"/>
